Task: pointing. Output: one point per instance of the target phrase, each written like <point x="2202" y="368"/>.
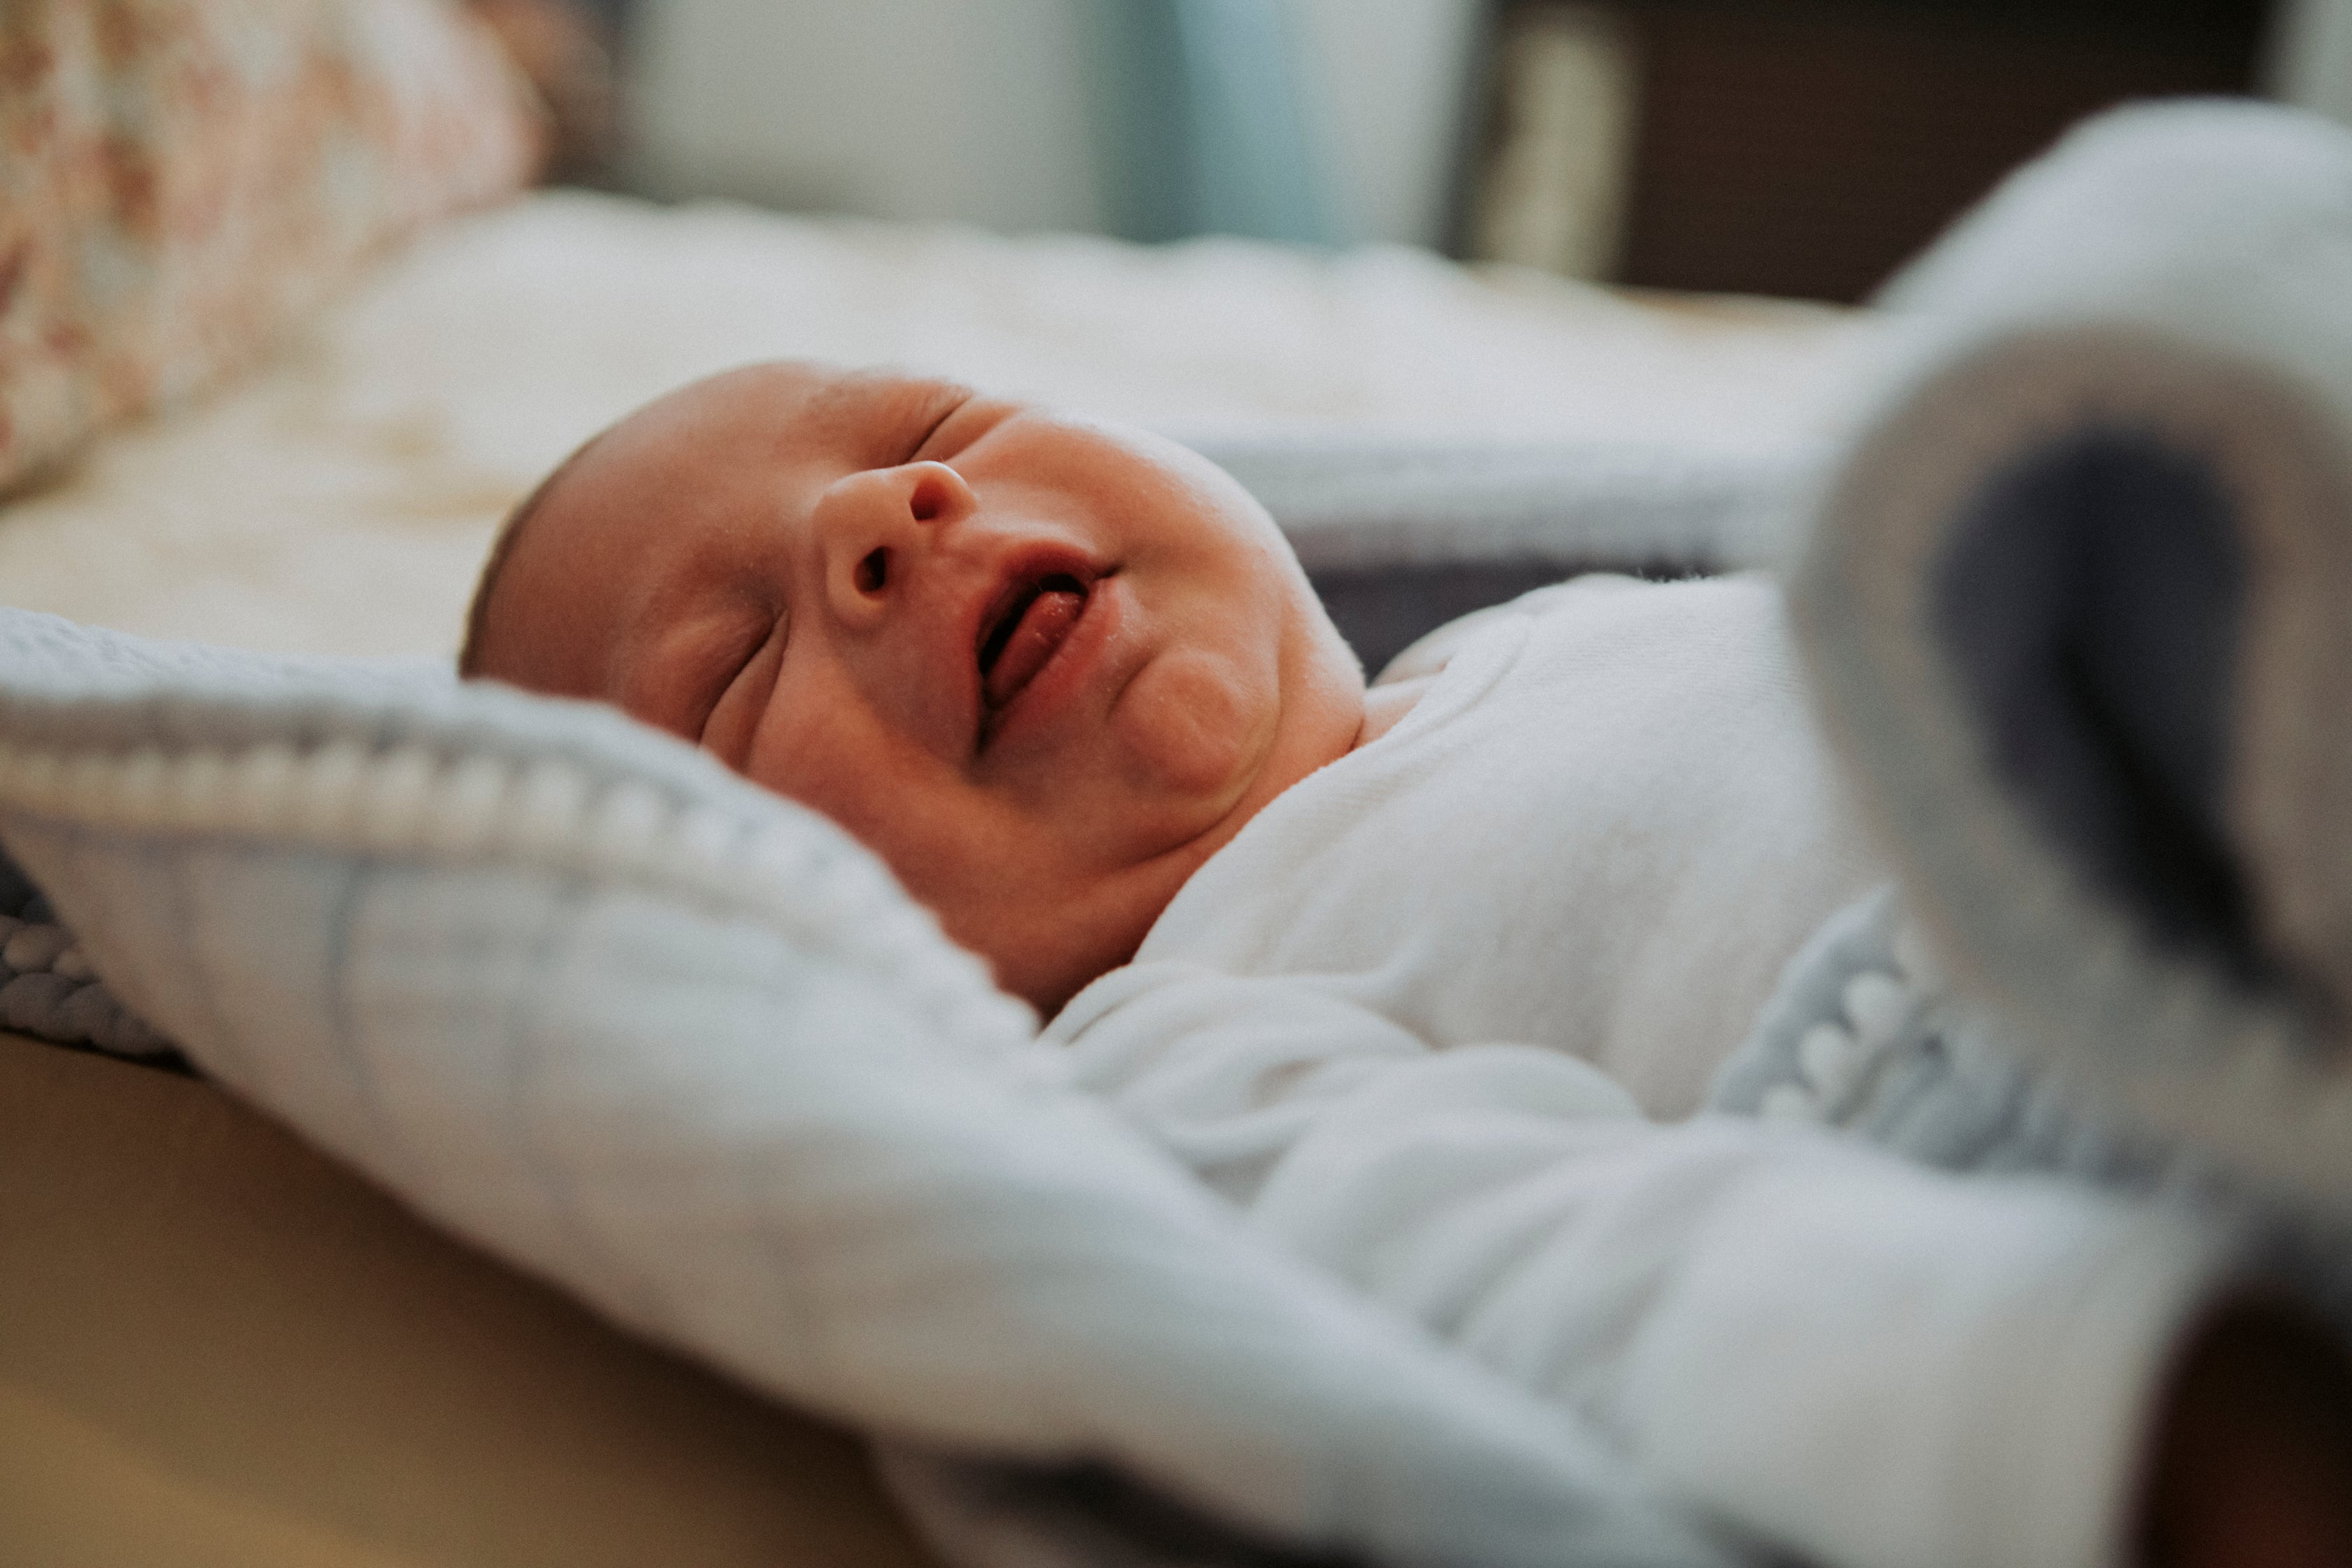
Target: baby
<point x="1043" y="667"/>
<point x="1423" y="1018"/>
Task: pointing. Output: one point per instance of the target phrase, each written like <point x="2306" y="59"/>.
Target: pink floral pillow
<point x="180" y="180"/>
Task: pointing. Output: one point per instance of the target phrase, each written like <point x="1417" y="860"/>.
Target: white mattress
<point x="339" y="500"/>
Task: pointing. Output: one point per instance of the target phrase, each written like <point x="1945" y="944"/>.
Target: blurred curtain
<point x="1205" y="130"/>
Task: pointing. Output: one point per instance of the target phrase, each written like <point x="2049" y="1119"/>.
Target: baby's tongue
<point x="1044" y="625"/>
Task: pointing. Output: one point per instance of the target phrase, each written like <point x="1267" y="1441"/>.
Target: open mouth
<point x="1023" y="630"/>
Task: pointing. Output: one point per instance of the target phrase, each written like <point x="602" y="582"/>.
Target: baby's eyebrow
<point x="872" y="414"/>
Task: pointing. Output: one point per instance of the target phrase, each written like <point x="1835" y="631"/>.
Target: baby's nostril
<point x="873" y="572"/>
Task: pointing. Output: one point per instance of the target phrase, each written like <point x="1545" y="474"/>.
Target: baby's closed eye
<point x="748" y="677"/>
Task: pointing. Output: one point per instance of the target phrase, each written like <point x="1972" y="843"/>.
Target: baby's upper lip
<point x="993" y="610"/>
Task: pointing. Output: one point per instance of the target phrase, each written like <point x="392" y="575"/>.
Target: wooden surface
<point x="217" y="1347"/>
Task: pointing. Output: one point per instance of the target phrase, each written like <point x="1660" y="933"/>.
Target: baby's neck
<point x="1385" y="705"/>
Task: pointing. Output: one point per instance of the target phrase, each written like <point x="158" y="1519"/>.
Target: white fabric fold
<point x="1870" y="1364"/>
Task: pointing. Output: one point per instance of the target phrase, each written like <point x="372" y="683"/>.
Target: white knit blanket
<point x="571" y="990"/>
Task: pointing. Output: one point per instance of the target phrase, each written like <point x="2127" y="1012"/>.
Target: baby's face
<point x="1042" y="667"/>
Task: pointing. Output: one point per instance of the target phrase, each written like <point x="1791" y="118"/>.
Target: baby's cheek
<point x="1191" y="724"/>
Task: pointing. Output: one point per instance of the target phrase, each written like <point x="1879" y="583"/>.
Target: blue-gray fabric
<point x="1204" y="130"/>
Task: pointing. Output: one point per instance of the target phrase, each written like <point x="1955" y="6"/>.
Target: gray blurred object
<point x="2076" y="604"/>
<point x="1401" y="537"/>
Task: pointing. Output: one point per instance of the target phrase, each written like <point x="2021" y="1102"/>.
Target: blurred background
<point x="1789" y="147"/>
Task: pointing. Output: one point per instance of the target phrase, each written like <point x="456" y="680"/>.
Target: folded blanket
<point x="577" y="993"/>
<point x="2076" y="604"/>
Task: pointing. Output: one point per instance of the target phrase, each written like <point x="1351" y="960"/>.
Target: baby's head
<point x="1042" y="667"/>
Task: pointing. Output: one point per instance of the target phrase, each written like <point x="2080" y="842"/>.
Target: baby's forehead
<point x="820" y="399"/>
<point x="787" y="411"/>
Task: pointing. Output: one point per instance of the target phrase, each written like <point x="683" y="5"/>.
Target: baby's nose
<point x="875" y="527"/>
